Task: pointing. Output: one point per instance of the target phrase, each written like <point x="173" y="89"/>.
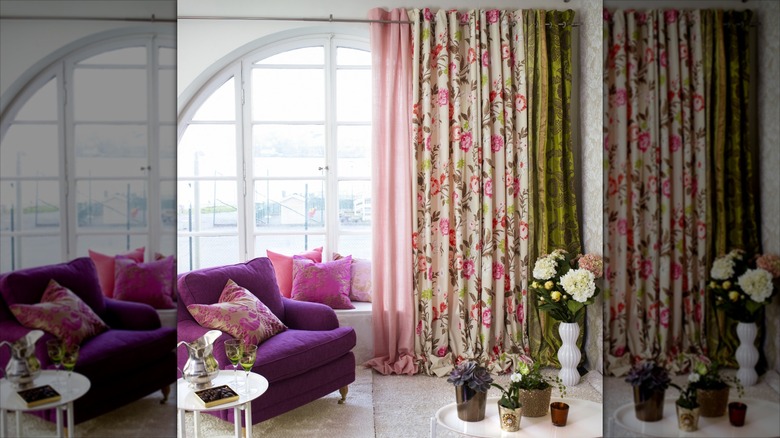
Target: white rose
<point x="516" y="377"/>
<point x="545" y="268"/>
<point x="722" y="268"/>
<point x="579" y="283"/>
<point x="694" y="377"/>
<point x="757" y="283"/>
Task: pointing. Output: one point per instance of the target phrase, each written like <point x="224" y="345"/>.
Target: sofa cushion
<point x="105" y="265"/>
<point x="26" y="286"/>
<point x="239" y="314"/>
<point x="360" y="279"/>
<point x="295" y="352"/>
<point x="149" y="283"/>
<point x="204" y="286"/>
<point x="283" y="266"/>
<point x="121" y="352"/>
<point x="326" y="283"/>
<point x="62" y="314"/>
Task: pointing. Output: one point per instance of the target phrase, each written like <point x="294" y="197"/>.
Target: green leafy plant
<point x="510" y="397"/>
<point x="687" y="398"/>
<point x="532" y="379"/>
<point x="564" y="285"/>
<point x="710" y="378"/>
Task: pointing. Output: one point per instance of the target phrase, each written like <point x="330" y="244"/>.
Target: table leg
<point x="18" y="423"/>
<point x="433" y="427"/>
<point x="248" y="418"/>
<point x="196" y="417"/>
<point x="58" y="416"/>
<point x="182" y="431"/>
<point x="236" y="422"/>
<point x="2" y="423"/>
<point x="71" y="427"/>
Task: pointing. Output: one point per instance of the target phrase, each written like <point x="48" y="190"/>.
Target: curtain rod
<point x="151" y="19"/>
<point x="330" y="19"/>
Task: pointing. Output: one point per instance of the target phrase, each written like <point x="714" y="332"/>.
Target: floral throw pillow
<point x="61" y="313"/>
<point x="326" y="283"/>
<point x="360" y="284"/>
<point x="149" y="283"/>
<point x="240" y="314"/>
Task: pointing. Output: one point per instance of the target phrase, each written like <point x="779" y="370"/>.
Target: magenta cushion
<point x="62" y="314"/>
<point x="106" y="269"/>
<point x="360" y="284"/>
<point x="326" y="283"/>
<point x="149" y="283"/>
<point x="240" y="314"/>
<point x="174" y="294"/>
<point x="283" y="266"/>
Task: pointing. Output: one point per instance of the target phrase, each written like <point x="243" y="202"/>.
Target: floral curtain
<point x="655" y="208"/>
<point x="471" y="231"/>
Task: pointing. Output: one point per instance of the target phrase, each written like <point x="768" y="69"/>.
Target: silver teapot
<point x="201" y="366"/>
<point x="23" y="367"/>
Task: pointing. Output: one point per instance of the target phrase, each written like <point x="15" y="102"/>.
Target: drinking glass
<point x="233" y="352"/>
<point x="248" y="356"/>
<point x="54" y="348"/>
<point x="70" y="355"/>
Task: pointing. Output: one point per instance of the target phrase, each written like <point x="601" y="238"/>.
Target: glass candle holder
<point x="559" y="412"/>
<point x="737" y="413"/>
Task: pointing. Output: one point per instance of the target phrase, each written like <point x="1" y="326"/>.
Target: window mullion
<point x="331" y="194"/>
<point x="246" y="195"/>
<point x="153" y="208"/>
<point x="68" y="139"/>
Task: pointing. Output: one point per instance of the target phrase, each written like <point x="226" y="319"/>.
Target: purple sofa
<point x="132" y="359"/>
<point x="309" y="360"/>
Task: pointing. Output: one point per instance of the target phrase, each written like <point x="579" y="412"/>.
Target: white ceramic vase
<point x="747" y="353"/>
<point x="569" y="355"/>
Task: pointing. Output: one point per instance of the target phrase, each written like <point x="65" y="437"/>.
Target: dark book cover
<point x="39" y="395"/>
<point x="216" y="396"/>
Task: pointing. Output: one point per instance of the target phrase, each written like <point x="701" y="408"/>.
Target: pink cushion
<point x="174" y="294"/>
<point x="283" y="265"/>
<point x="149" y="283"/>
<point x="326" y="283"/>
<point x="240" y="314"/>
<point x="360" y="283"/>
<point x="62" y="314"/>
<point x="105" y="267"/>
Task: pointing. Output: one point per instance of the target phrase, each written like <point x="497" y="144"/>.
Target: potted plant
<point x="559" y="411"/>
<point x="472" y="382"/>
<point x="687" y="405"/>
<point x="740" y="286"/>
<point x="649" y="381"/>
<point x="510" y="410"/>
<point x="564" y="285"/>
<point x="535" y="390"/>
<point x="712" y="389"/>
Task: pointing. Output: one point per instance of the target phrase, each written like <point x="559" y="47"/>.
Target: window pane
<point x="111" y="244"/>
<point x="285" y="150"/>
<point x="220" y="106"/>
<point x="358" y="246"/>
<point x="207" y="150"/>
<point x="355" y="204"/>
<point x="354" y="151"/>
<point x="166" y="96"/>
<point x="207" y="206"/>
<point x="353" y="95"/>
<point x="167" y="56"/>
<point x="38" y="208"/>
<point x="167" y="244"/>
<point x="128" y="56"/>
<point x="345" y="56"/>
<point x="203" y="252"/>
<point x="290" y="205"/>
<point x="6" y="253"/>
<point x="42" y="105"/>
<point x="111" y="205"/>
<point x="30" y="151"/>
<point x="288" y="245"/>
<point x="167" y="160"/>
<point x="307" y="55"/>
<point x="40" y="250"/>
<point x="111" y="150"/>
<point x="168" y="205"/>
<point x="97" y="93"/>
<point x="288" y="94"/>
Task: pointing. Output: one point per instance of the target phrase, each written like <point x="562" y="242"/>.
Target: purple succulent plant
<point x="649" y="375"/>
<point x="469" y="373"/>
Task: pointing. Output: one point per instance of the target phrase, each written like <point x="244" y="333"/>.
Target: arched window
<point x="274" y="153"/>
<point x="87" y="148"/>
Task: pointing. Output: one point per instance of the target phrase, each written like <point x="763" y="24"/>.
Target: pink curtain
<point x="393" y="310"/>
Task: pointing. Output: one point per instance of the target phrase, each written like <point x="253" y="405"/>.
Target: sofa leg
<point x="166" y="391"/>
<point x="343" y="391"/>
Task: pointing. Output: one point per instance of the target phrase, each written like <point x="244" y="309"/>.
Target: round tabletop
<point x="584" y="420"/>
<point x="188" y="401"/>
<point x="69" y="389"/>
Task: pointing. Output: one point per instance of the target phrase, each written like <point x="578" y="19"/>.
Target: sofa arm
<point x="301" y="315"/>
<point x="126" y="315"/>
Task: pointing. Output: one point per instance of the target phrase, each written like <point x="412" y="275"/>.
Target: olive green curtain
<point x="734" y="209"/>
<point x="553" y="207"/>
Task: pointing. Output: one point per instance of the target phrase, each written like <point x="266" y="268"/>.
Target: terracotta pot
<point x="712" y="402"/>
<point x="559" y="413"/>
<point x="510" y="418"/>
<point x="470" y="403"/>
<point x="687" y="419"/>
<point x="648" y="404"/>
<point x="535" y="401"/>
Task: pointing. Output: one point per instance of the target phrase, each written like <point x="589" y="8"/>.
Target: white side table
<point x="70" y="390"/>
<point x="188" y="401"/>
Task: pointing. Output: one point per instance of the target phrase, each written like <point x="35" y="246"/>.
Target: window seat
<point x="360" y="318"/>
<point x="167" y="317"/>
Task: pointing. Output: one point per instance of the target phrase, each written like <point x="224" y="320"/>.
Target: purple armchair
<point x="309" y="360"/>
<point x="129" y="361"/>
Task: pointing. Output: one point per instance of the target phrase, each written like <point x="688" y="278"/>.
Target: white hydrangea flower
<point x="516" y="377"/>
<point x="694" y="377"/>
<point x="545" y="268"/>
<point x="722" y="268"/>
<point x="757" y="283"/>
<point x="579" y="283"/>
